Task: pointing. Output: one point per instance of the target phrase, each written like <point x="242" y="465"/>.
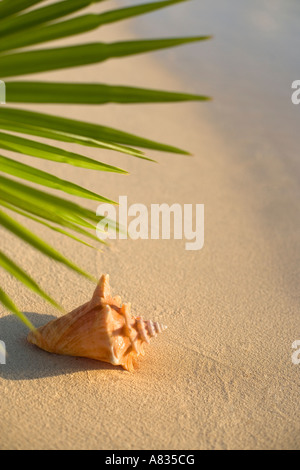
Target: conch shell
<point x="102" y="329"/>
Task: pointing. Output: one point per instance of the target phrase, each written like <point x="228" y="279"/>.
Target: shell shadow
<point x="25" y="361"/>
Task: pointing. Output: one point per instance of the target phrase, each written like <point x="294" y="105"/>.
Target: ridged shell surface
<point x="102" y="329"/>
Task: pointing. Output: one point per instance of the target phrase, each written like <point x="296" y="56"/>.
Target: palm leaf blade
<point x="45" y="60"/>
<point x="42" y="15"/>
<point x="8" y="303"/>
<point x="95" y="132"/>
<point x="40" y="177"/>
<point x="11" y="7"/>
<point x="72" y="211"/>
<point x="55" y="154"/>
<point x="28" y="237"/>
<point x="42" y="222"/>
<point x="79" y="93"/>
<point x="10" y="266"/>
<point x="37" y="212"/>
<point x="79" y="25"/>
<point x="11" y="120"/>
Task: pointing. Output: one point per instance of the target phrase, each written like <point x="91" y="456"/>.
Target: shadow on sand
<point x="25" y="361"/>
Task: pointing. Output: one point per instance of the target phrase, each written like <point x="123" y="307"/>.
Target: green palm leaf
<point x="8" y="303"/>
<point x="41" y="124"/>
<point x="22" y="206"/>
<point x="42" y="15"/>
<point x="48" y="202"/>
<point x="11" y="119"/>
<point x="55" y="154"/>
<point x="10" y="266"/>
<point x="51" y="227"/>
<point x="45" y="60"/>
<point x="21" y="27"/>
<point x="28" y="237"/>
<point x="37" y="176"/>
<point x="9" y="7"/>
<point x="81" y="93"/>
<point x="76" y="26"/>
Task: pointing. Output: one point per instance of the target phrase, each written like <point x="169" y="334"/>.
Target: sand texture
<point x="221" y="376"/>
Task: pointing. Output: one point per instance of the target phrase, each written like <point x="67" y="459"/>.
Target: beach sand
<point x="221" y="376"/>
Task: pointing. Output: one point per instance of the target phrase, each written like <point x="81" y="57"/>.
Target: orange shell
<point x="102" y="329"/>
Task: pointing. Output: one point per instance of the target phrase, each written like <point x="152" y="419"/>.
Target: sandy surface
<point x="221" y="376"/>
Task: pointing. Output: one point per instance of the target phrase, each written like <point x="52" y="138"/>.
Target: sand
<point x="221" y="376"/>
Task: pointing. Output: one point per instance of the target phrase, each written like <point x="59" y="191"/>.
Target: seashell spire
<point x="102" y="329"/>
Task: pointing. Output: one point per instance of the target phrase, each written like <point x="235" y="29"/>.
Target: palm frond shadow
<point x="26" y="362"/>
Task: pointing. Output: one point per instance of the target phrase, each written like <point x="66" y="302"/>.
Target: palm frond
<point x="42" y="15"/>
<point x="55" y="154"/>
<point x="75" y="26"/>
<point x="46" y="60"/>
<point x="29" y="173"/>
<point x="44" y="124"/>
<point x="6" y="301"/>
<point x="48" y="202"/>
<point x="36" y="212"/>
<point x="51" y="227"/>
<point x="90" y="93"/>
<point x="26" y="23"/>
<point x="28" y="237"/>
<point x="10" y="266"/>
<point x="9" y="7"/>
